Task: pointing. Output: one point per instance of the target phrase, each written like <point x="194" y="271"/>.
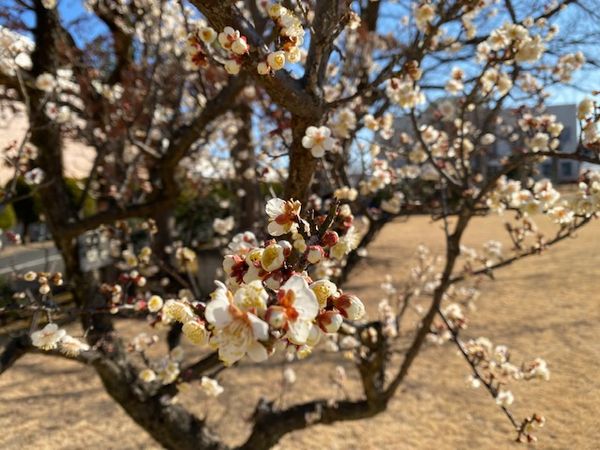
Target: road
<point x="38" y="256"/>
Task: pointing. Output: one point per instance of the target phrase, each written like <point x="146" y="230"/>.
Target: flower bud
<point x="276" y="317"/>
<point x="330" y="238"/>
<point x="239" y="46"/>
<point x="287" y="247"/>
<point x="232" y="67"/>
<point x="330" y="321"/>
<point x="350" y="306"/>
<point x="44" y="289"/>
<point x="263" y="68"/>
<point x="300" y="245"/>
<point x="315" y="254"/>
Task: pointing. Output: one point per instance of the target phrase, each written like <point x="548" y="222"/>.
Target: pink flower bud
<point x="350" y="306"/>
<point x="330" y="321"/>
<point x="287" y="247"/>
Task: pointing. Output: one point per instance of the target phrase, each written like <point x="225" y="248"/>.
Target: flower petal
<point x="275" y="207"/>
<point x="257" y="352"/>
<point x="305" y="300"/>
<point x="298" y="331"/>
<point x="260" y="329"/>
<point x="217" y="310"/>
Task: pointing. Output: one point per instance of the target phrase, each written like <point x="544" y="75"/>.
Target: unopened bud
<point x="330" y="321"/>
<point x="350" y="306"/>
<point x="330" y="238"/>
<point x="315" y="254"/>
<point x="276" y="316"/>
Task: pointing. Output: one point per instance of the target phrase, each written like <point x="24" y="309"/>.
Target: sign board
<point x="94" y="250"/>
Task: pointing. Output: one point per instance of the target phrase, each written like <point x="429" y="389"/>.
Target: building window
<point x="565" y="136"/>
<point x="547" y="170"/>
<point x="566" y="169"/>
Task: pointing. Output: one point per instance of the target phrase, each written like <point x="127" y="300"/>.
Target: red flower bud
<point x="330" y="238"/>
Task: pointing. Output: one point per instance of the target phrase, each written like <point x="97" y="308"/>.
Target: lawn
<point x="546" y="306"/>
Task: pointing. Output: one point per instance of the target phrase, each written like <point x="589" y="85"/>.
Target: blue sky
<point x="91" y="27"/>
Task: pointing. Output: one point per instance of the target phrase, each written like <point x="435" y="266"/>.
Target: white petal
<point x="275" y="229"/>
<point x="298" y="331"/>
<point x="307" y="142"/>
<point x="260" y="329"/>
<point x="311" y="131"/>
<point x="318" y="151"/>
<point x="275" y="207"/>
<point x="305" y="301"/>
<point x="257" y="352"/>
<point x="217" y="310"/>
<point x="230" y="354"/>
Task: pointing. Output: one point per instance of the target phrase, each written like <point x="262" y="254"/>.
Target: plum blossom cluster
<point x="494" y="368"/>
<point x="268" y="301"/>
<point x="290" y="37"/>
<point x="64" y="100"/>
<point x="541" y="197"/>
<point x="405" y="92"/>
<point x="14" y="52"/>
<point x="51" y="337"/>
<point x="21" y="159"/>
<point x="165" y="370"/>
<point x="231" y="41"/>
<point x="541" y="132"/>
<point x="588" y="114"/>
<point x="45" y="280"/>
<point x="514" y="41"/>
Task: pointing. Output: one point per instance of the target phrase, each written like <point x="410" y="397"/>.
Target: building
<point x="488" y="163"/>
<point x="558" y="171"/>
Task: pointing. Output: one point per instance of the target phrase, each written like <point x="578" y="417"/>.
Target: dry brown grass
<point x="548" y="306"/>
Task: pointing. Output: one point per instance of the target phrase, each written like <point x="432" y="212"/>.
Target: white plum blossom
<point x="232" y="67"/>
<point x="223" y="226"/>
<point x="276" y="60"/>
<point x="71" y="346"/>
<point x="318" y="140"/>
<point x="178" y="311"/>
<point x="207" y="35"/>
<point x="48" y="337"/>
<point x="585" y="108"/>
<point x="155" y="303"/>
<point x="147" y="375"/>
<point x="211" y="387"/>
<point x="238" y="332"/>
<point x="301" y="308"/>
<point x="196" y="332"/>
<point x="45" y="82"/>
<point x="505" y="398"/>
<point x="282" y="216"/>
<point x="272" y="257"/>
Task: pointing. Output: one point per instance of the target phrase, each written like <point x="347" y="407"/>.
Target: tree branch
<point x="281" y="87"/>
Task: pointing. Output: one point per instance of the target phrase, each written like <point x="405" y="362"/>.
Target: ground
<point x="546" y="306"/>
